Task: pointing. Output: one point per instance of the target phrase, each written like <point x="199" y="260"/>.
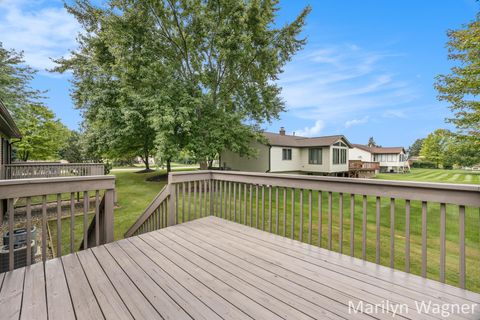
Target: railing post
<point x="171" y="204"/>
<point x="210" y="188"/>
<point x="108" y="215"/>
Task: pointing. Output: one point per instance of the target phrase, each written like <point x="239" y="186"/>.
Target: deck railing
<point x="49" y="170"/>
<point x="59" y="220"/>
<point x="430" y="229"/>
<point x="362" y="165"/>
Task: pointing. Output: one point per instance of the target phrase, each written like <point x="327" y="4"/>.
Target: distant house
<point x="8" y="131"/>
<point x="284" y="153"/>
<point x="391" y="159"/>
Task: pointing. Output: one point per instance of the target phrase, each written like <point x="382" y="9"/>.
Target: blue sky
<point x="368" y="68"/>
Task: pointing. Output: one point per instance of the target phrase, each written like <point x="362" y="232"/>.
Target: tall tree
<point x="415" y="148"/>
<point x="73" y="150"/>
<point x="207" y="70"/>
<point x="371" y="142"/>
<point x="461" y="88"/>
<point x="435" y="146"/>
<point x="43" y="135"/>
<point x="15" y="77"/>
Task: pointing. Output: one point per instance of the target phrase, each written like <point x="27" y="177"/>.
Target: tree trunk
<point x="145" y="159"/>
<point x="169" y="165"/>
<point x="203" y="165"/>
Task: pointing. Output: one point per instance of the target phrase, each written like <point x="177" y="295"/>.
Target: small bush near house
<point x="424" y="165"/>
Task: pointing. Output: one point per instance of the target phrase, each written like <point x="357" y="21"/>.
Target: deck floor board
<point x="211" y="268"/>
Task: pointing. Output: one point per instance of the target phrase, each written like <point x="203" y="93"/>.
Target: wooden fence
<point x="399" y="224"/>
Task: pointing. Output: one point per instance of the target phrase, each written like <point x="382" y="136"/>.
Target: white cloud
<point x="42" y="29"/>
<point x="355" y="122"/>
<point x="336" y="84"/>
<point x="392" y="113"/>
<point x="315" y="130"/>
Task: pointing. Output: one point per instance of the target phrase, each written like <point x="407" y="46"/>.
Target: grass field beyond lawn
<point x="434" y="175"/>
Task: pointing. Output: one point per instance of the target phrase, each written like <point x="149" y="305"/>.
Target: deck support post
<point x="171" y="204"/>
<point x="109" y="207"/>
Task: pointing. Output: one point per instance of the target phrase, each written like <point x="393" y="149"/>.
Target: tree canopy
<point x="180" y="75"/>
<point x="415" y="148"/>
<point x="461" y="88"/>
<point x="42" y="134"/>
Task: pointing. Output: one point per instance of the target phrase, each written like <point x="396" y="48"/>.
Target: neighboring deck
<point x="212" y="269"/>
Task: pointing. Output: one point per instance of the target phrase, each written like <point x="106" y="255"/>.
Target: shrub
<point x="424" y="165"/>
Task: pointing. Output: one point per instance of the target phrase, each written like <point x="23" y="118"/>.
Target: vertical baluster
<point x="256" y="206"/>
<point x="329" y="221"/>
<point x="239" y="188"/>
<point x="320" y="213"/>
<point x="176" y="188"/>
<point x="234" y="202"/>
<point x="377" y="239"/>
<point x="310" y="216"/>
<point x="251" y="204"/>
<point x="29" y="233"/>
<point x="85" y="221"/>
<point x="44" y="228"/>
<point x="221" y="198"/>
<point x="244" y="204"/>
<point x="364" y="228"/>
<point x="292" y="204"/>
<point x="270" y="208"/>
<point x="183" y="202"/>
<point x="442" y="241"/>
<point x="340" y="227"/>
<point x="205" y="183"/>
<point x="229" y="200"/>
<point x="424" y="239"/>
<point x="59" y="224"/>
<point x="461" y="211"/>
<point x="276" y="210"/>
<point x="284" y="212"/>
<point x="263" y="207"/>
<point x="189" y="187"/>
<point x="72" y="222"/>
<point x="200" y="197"/>
<point x="407" y="235"/>
<point x="97" y="217"/>
<point x="195" y="200"/>
<point x="11" y="238"/>
<point x="352" y="225"/>
<point x="392" y="232"/>
<point x="217" y="198"/>
<point x="301" y="216"/>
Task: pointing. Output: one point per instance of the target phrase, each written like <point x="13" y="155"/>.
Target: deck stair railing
<point x="51" y="206"/>
<point x="430" y="229"/>
<point x="49" y="170"/>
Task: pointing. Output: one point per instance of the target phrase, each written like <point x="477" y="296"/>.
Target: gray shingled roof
<point x="379" y="149"/>
<point x="276" y="139"/>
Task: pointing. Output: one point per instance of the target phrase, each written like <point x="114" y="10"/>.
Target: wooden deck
<point x="214" y="269"/>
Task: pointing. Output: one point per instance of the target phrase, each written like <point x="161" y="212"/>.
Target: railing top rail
<point x="52" y="164"/>
<point x="43" y="186"/>
<point x="430" y="185"/>
<point x="461" y="194"/>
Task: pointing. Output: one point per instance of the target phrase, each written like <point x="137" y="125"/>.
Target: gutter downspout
<point x="269" y="158"/>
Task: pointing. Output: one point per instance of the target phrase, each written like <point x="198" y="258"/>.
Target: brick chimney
<point x="282" y="131"/>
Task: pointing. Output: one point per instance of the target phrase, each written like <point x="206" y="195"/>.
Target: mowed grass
<point x="134" y="194"/>
<point x="434" y="175"/>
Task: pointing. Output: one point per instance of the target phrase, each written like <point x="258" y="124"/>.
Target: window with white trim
<point x="315" y="156"/>
<point x="339" y="156"/>
<point x="286" y="154"/>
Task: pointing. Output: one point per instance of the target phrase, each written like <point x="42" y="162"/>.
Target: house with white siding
<point x="390" y="159"/>
<point x="327" y="155"/>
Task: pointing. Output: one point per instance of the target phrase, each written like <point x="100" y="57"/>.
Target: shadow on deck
<point x="211" y="268"/>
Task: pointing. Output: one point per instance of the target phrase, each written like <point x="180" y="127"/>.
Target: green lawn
<point x="435" y="175"/>
<point x="134" y="194"/>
